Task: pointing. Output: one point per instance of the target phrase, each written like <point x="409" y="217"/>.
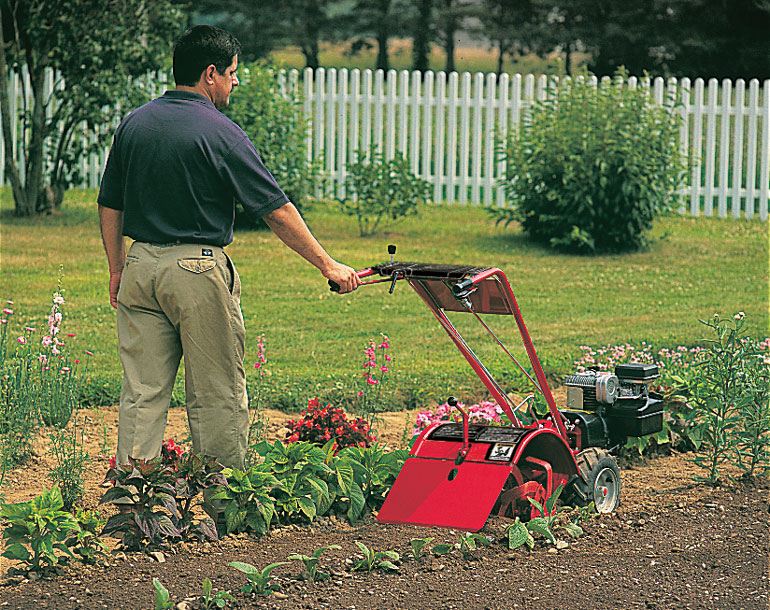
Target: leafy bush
<point x="730" y="414"/>
<point x="590" y="167"/>
<point x="161" y="492"/>
<point x="71" y="462"/>
<point x="318" y="425"/>
<point x="246" y="500"/>
<point x="275" y="123"/>
<point x="36" y="530"/>
<point x="375" y="470"/>
<point x="377" y="189"/>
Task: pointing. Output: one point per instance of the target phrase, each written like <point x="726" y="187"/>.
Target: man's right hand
<point x="342" y="275"/>
<point x="114" y="287"/>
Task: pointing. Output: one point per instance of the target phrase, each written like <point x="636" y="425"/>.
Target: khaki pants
<point x="175" y="300"/>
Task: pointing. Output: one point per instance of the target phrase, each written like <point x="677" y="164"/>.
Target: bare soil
<point x="673" y="544"/>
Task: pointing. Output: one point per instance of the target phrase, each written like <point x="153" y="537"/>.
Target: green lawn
<point x="315" y="339"/>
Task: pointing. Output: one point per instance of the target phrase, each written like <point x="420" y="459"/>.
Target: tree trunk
<point x="421" y="38"/>
<point x="382" y="51"/>
<point x="36" y="149"/>
<point x="23" y="207"/>
<point x="500" y="56"/>
<point x="310" y="38"/>
<point x="568" y="59"/>
<point x="449" y="48"/>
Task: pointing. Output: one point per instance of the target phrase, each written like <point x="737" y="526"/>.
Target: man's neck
<point x="196" y="89"/>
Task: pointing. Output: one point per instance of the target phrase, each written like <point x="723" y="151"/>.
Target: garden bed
<point x="672" y="544"/>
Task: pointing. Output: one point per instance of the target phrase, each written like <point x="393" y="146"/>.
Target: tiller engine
<point x="459" y="473"/>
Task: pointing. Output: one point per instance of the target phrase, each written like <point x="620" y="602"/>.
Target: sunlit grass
<point x="315" y="339"/>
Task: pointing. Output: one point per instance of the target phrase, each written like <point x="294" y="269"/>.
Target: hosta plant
<point x="375" y="470"/>
<point x="311" y="571"/>
<point x="36" y="530"/>
<point x="260" y="581"/>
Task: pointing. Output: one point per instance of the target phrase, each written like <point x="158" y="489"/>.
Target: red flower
<point x="113" y="462"/>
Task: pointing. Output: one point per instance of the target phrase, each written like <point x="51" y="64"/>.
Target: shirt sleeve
<point x="111" y="187"/>
<point x="252" y="183"/>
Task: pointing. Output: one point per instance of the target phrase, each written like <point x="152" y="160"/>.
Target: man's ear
<point x="208" y="74"/>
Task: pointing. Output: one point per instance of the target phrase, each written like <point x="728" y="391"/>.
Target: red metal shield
<point x="437" y="492"/>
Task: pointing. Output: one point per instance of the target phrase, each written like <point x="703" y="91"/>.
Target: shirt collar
<point x="175" y="94"/>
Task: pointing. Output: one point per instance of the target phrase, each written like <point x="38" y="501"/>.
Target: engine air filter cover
<point x="637" y="371"/>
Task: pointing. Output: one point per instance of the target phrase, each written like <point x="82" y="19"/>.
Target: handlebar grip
<point x="334" y="286"/>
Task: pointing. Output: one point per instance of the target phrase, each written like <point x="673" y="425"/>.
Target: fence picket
<point x="438" y="139"/>
<point x="738" y="105"/>
<point x="724" y="147"/>
<point x="751" y="157"/>
<point x="452" y="138"/>
<point x="697" y="162"/>
<point x="711" y="118"/>
<point x="764" y="173"/>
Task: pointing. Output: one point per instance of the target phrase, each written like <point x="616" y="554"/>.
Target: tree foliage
<point x="95" y="47"/>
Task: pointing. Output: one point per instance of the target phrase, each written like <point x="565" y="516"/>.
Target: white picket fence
<point x="449" y="125"/>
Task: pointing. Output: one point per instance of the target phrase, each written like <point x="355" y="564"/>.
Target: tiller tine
<point x="439" y="492"/>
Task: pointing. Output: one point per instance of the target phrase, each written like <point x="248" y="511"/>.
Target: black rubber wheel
<point x="598" y="481"/>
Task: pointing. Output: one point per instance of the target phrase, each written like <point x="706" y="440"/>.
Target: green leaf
<point x="518" y="534"/>
<point x="246" y="568"/>
<point x="574" y="530"/>
<point x="387" y="565"/>
<point x="441" y="549"/>
<point x="17" y="552"/>
<point x="540" y="526"/>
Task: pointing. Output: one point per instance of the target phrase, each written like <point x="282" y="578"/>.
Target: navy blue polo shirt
<point x="176" y="167"/>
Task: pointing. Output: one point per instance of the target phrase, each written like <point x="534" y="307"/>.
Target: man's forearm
<point x="111" y="222"/>
<point x="288" y="225"/>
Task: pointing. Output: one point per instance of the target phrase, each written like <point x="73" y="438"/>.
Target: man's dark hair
<point x="198" y="48"/>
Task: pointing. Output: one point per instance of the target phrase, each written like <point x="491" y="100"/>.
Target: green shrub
<point x="590" y="167"/>
<point x="377" y="189"/>
<point x="36" y="530"/>
<point x="277" y="127"/>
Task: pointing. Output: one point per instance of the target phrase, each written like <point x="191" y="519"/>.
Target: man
<point x="175" y="168"/>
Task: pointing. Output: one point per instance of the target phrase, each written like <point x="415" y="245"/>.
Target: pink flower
<point x="3" y="321"/>
<point x="7" y="311"/>
<point x="387" y="358"/>
<point x="384" y="368"/>
<point x="22" y="340"/>
<point x="30" y="329"/>
<point x="71" y="335"/>
<point x="360" y="393"/>
<point x="89" y="353"/>
<point x="372" y="381"/>
<point x="43" y="359"/>
<point x="55" y="350"/>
